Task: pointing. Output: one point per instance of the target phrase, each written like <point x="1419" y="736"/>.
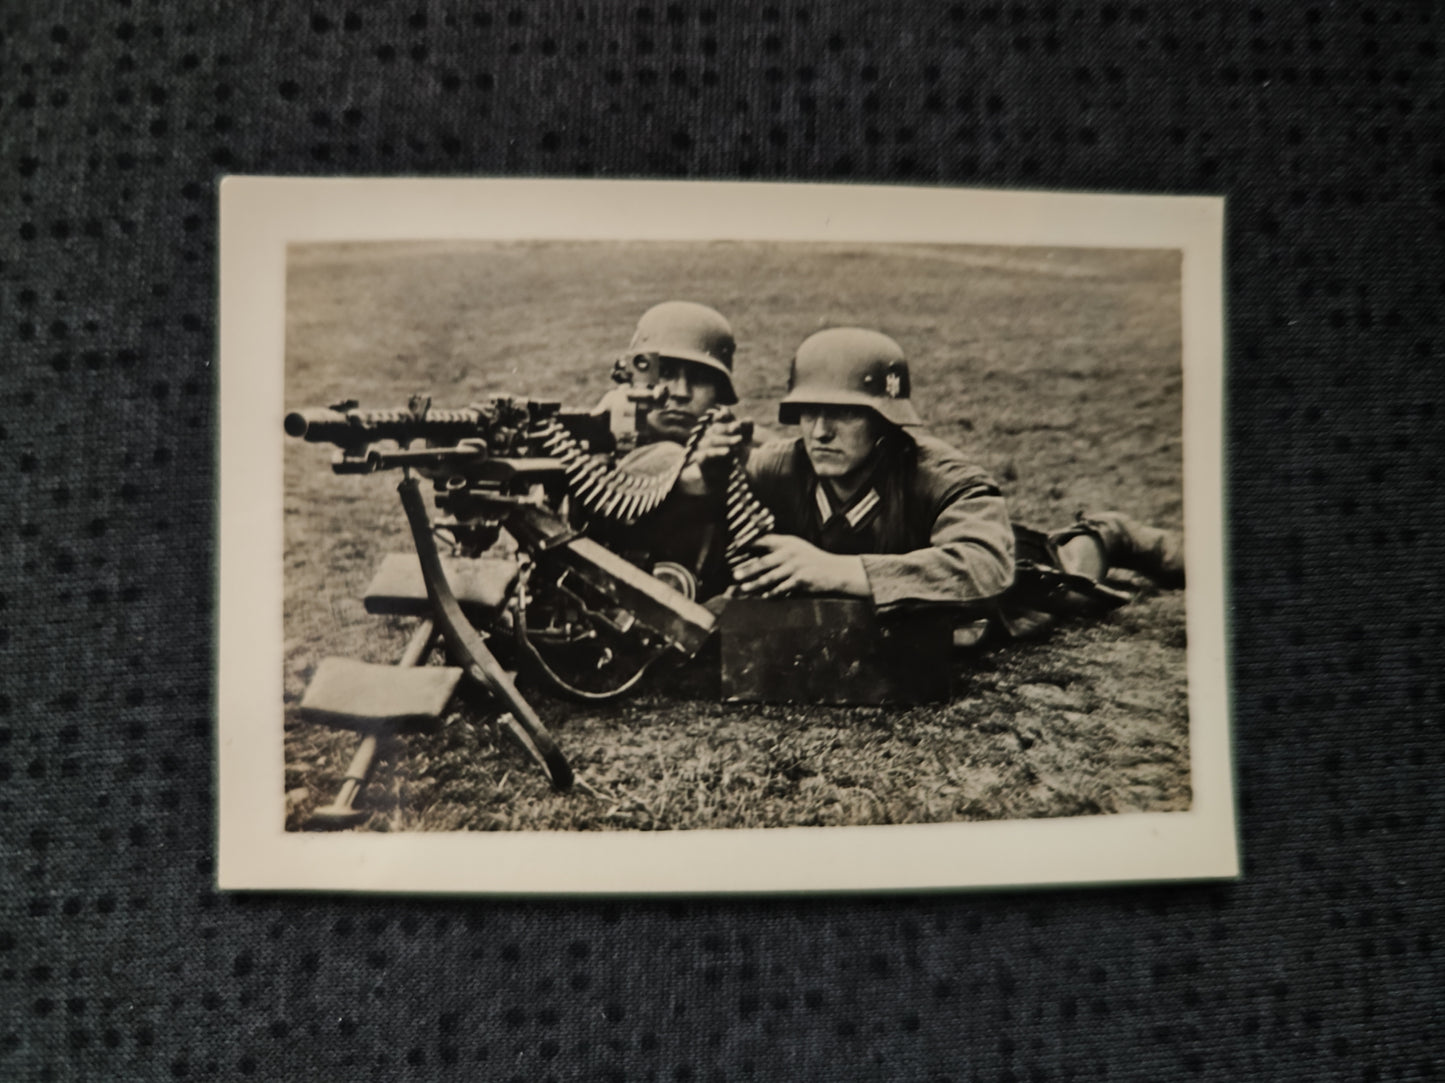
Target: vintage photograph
<point x="692" y="532"/>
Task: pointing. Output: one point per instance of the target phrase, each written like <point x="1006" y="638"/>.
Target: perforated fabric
<point x="1320" y="122"/>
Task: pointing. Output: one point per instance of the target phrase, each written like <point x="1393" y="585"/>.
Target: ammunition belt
<point x="747" y="519"/>
<point x="624" y="497"/>
<point x="616" y="494"/>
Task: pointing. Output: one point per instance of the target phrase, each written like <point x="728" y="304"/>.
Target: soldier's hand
<point x="614" y="401"/>
<point x="787" y="564"/>
<point x="714" y="449"/>
<point x="721" y="438"/>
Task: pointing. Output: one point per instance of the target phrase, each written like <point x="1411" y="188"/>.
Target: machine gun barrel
<point x="504" y="426"/>
<point x="352" y="427"/>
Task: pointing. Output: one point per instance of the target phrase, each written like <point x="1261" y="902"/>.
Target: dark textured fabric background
<point x="1321" y="123"/>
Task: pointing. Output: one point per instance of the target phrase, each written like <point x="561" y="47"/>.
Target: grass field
<point x="1055" y="369"/>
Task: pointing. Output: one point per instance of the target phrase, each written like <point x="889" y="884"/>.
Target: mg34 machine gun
<point x="561" y="607"/>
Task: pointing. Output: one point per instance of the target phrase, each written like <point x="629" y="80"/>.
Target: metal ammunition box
<point x="833" y="650"/>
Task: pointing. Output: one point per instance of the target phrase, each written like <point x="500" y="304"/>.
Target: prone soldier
<point x="869" y="505"/>
<point x="683" y="351"/>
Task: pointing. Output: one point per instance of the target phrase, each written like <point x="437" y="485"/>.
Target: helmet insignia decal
<point x="895" y="385"/>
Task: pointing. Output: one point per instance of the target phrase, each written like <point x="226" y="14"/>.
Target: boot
<point x="1159" y="554"/>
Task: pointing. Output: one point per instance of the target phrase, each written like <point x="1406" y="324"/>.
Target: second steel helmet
<point x="849" y="366"/>
<point x="690" y="332"/>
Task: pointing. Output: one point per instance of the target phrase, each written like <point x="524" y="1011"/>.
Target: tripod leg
<point x="342" y="813"/>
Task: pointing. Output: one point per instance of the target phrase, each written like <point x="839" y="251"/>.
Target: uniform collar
<point x="857" y="511"/>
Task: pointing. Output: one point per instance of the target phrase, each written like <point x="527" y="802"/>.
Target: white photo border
<point x="261" y="216"/>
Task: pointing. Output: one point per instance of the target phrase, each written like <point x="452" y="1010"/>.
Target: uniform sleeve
<point x="768" y="464"/>
<point x="771" y="470"/>
<point x="969" y="559"/>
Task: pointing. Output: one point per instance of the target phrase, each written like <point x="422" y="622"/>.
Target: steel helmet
<point x="848" y="366"/>
<point x="690" y="332"/>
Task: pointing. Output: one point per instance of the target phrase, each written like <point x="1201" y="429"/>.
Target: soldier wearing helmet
<point x="867" y="504"/>
<point x="677" y="367"/>
<point x="683" y="351"/>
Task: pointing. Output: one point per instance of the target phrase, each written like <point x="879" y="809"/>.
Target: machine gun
<point x="566" y="610"/>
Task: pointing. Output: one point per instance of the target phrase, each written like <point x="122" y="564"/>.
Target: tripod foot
<point x="336" y="818"/>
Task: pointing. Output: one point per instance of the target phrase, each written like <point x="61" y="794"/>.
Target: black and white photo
<point x="585" y="537"/>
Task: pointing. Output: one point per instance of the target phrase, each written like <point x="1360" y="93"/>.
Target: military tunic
<point x="929" y="527"/>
